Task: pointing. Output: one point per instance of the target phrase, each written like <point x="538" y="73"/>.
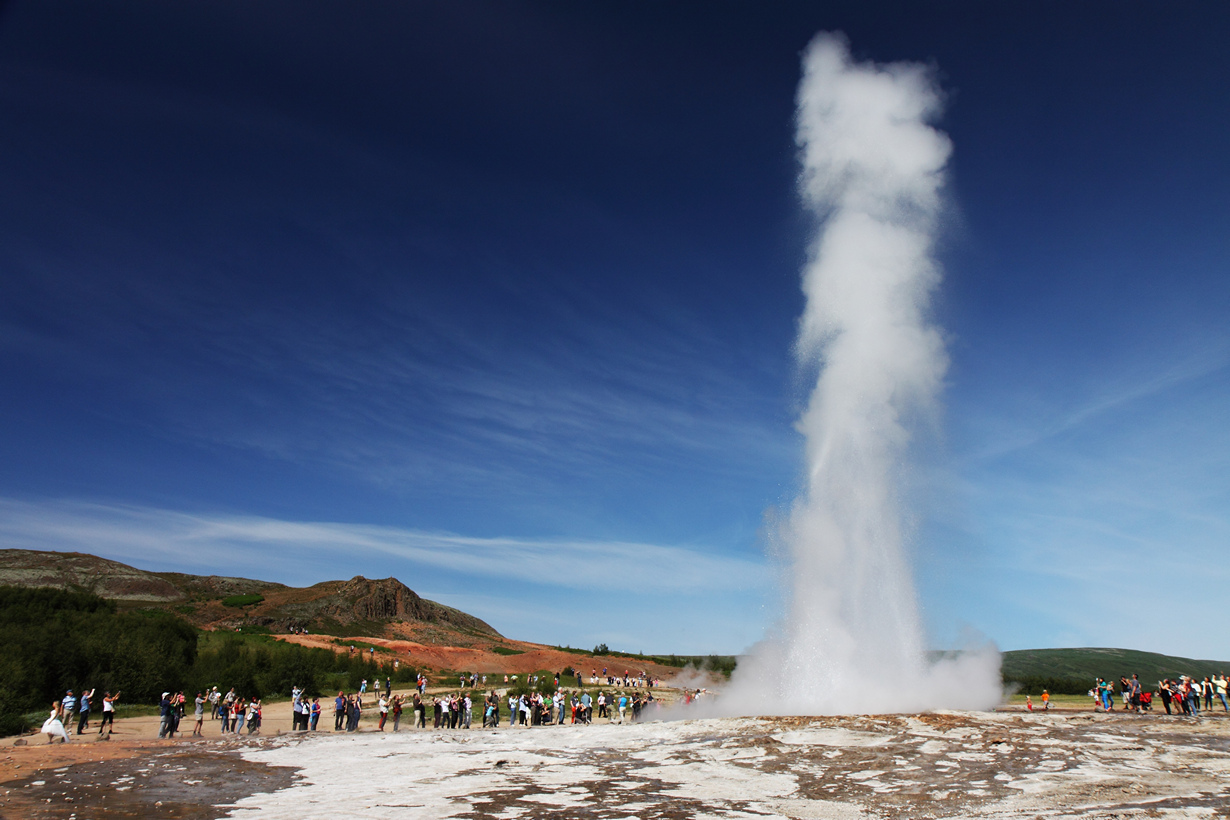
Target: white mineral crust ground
<point x="896" y="766"/>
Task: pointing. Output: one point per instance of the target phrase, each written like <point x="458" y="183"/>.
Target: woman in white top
<point x="53" y="727"/>
<point x="108" y="709"/>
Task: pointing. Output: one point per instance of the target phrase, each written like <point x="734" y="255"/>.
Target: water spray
<point x="873" y="176"/>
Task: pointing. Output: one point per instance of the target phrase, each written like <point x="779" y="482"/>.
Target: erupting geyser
<point x="873" y="171"/>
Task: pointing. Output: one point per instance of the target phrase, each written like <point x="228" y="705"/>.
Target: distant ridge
<point x="330" y="607"/>
<point x="1084" y="665"/>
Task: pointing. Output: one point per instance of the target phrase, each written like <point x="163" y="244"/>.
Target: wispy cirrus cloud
<point x="281" y="550"/>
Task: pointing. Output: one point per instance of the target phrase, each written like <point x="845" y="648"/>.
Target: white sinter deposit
<point x="942" y="765"/>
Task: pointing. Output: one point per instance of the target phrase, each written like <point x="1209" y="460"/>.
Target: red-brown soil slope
<point x="418" y="647"/>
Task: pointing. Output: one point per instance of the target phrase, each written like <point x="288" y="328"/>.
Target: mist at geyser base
<point x="872" y="175"/>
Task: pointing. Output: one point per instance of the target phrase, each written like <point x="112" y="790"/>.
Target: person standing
<point x="315" y="713"/>
<point x="108" y="710"/>
<point x="200" y="715"/>
<point x="1192" y="692"/>
<point x="164" y="714"/>
<point x="492" y="715"/>
<point x="339" y="711"/>
<point x="383" y="706"/>
<point x="67" y="706"/>
<point x="396" y="713"/>
<point x="83" y="709"/>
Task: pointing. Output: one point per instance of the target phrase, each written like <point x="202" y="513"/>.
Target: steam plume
<point x="873" y="172"/>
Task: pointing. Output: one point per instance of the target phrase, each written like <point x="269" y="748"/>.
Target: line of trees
<point x="55" y="640"/>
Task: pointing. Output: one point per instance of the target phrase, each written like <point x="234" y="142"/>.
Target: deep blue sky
<point x="501" y="298"/>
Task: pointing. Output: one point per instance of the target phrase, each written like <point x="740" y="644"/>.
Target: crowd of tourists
<point x="234" y="712"/>
<point x="1182" y="696"/>
<point x="455" y="710"/>
<point x="537" y="709"/>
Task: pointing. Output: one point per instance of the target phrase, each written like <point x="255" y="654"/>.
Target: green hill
<point x="1073" y="671"/>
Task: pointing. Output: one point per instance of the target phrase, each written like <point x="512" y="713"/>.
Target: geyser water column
<point x="873" y="171"/>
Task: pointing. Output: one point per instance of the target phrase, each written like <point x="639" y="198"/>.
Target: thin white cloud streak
<point x="1111" y="397"/>
<point x="247" y="543"/>
<point x="314" y="385"/>
<point x="1128" y="512"/>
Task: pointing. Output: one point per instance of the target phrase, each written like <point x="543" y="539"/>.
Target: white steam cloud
<point x="873" y="172"/>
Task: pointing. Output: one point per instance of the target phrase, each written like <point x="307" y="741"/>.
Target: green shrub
<point x="243" y="600"/>
<point x="504" y="650"/>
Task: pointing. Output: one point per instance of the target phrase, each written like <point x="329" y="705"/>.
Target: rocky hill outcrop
<point x="210" y="600"/>
<point x="78" y="570"/>
<point x="363" y="600"/>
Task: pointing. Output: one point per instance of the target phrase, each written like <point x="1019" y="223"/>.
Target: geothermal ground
<point x="906" y="766"/>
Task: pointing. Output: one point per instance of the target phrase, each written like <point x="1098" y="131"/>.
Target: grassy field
<point x="1057" y="702"/>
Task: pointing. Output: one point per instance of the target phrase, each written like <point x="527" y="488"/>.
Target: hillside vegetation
<point x="221" y="602"/>
<point x="1073" y="671"/>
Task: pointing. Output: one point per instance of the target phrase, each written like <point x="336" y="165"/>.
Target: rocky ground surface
<point x="907" y="766"/>
<point x="948" y="765"/>
<point x="188" y="782"/>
